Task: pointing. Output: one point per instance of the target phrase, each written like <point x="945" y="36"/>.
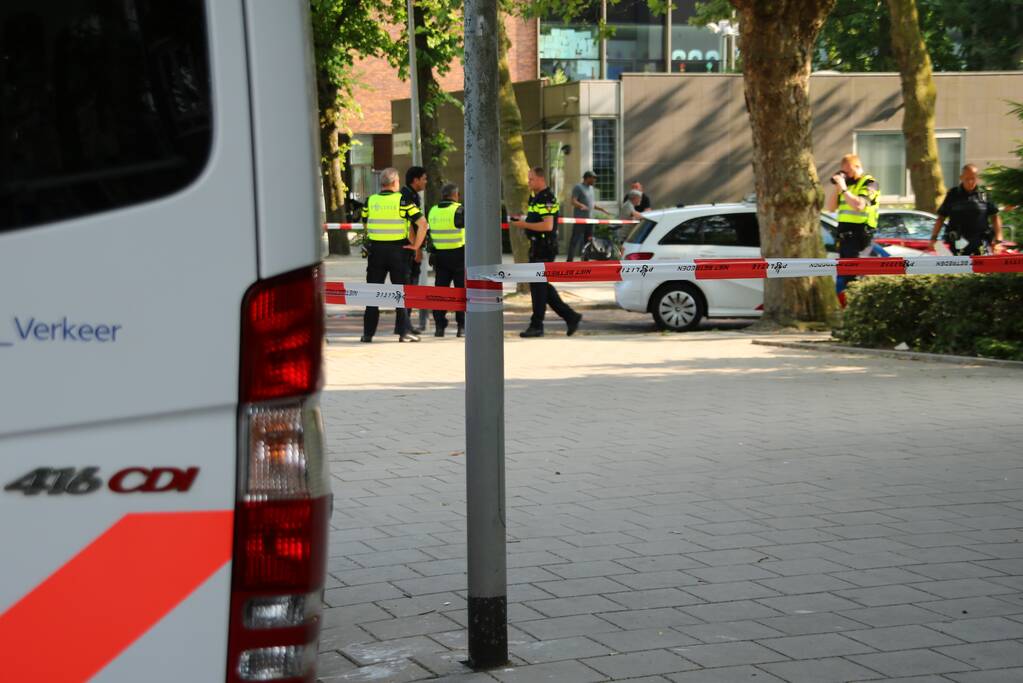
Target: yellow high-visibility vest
<point x="868" y="217"/>
<point x="384" y="222"/>
<point x="443" y="232"/>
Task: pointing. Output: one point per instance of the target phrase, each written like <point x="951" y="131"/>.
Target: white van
<point x="163" y="497"/>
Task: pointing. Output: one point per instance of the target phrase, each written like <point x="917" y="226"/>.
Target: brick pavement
<point x="687" y="508"/>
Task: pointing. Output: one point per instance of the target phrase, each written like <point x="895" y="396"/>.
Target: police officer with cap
<point x="447" y="233"/>
<point x="415" y="182"/>
<point x="388" y="219"/>
<point x="541" y="226"/>
<point x="968" y="210"/>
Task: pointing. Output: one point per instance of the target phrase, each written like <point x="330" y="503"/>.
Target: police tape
<point x="504" y="226"/>
<point x="484" y="290"/>
<point x="482" y="295"/>
<point x="745" y="269"/>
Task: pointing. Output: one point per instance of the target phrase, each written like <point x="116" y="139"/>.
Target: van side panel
<point x="143" y="414"/>
<point x="285" y="130"/>
<point x="164" y="280"/>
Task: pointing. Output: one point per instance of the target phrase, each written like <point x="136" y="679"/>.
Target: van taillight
<point x="639" y="256"/>
<point x="283" y="508"/>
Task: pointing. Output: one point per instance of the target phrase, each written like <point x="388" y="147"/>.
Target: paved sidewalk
<point x="687" y="508"/>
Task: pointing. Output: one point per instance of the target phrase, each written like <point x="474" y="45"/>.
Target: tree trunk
<point x="434" y="153"/>
<point x="514" y="165"/>
<point x="918" y="95"/>
<point x="777" y="39"/>
<point x="331" y="163"/>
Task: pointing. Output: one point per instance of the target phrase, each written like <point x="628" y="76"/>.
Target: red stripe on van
<point x="106" y="597"/>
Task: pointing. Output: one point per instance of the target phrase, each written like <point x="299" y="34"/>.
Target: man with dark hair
<point x="968" y="210"/>
<point x="447" y="232"/>
<point x="584" y="198"/>
<point x="415" y="182"/>
<point x="541" y="226"/>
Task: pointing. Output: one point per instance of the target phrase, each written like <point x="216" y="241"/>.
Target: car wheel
<point x="677" y="307"/>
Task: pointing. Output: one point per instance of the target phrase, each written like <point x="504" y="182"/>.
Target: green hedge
<point x="970" y="315"/>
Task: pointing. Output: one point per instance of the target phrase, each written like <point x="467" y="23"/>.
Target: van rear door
<point x="127" y="242"/>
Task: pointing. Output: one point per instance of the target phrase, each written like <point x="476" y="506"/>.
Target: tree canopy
<point x="960" y="36"/>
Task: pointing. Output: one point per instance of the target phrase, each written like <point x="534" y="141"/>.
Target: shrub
<point x="973" y="315"/>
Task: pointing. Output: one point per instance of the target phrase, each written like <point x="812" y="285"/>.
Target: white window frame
<point x="616" y="156"/>
<point x="909" y="197"/>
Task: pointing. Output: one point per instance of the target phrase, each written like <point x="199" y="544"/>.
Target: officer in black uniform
<point x="415" y="182"/>
<point x="968" y="210"/>
<point x="541" y="226"/>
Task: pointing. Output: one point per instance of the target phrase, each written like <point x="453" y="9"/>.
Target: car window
<point x="747" y="229"/>
<point x="828" y="235"/>
<point x="918" y="226"/>
<point x="640" y="231"/>
<point x="890" y="224"/>
<point x="688" y="232"/>
<point x="102" y="105"/>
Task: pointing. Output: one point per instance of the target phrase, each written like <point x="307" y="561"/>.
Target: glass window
<point x="571" y="49"/>
<point x="695" y="49"/>
<point x="917" y="226"/>
<point x="731" y="230"/>
<point x="828" y="236"/>
<point x="884" y="157"/>
<point x="950" y="156"/>
<point x="605" y="134"/>
<point x="641" y="231"/>
<point x="747" y="229"/>
<point x="890" y="225"/>
<point x="102" y="105"/>
<point x="690" y="232"/>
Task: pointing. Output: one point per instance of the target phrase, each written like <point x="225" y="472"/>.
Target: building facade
<point x="686" y="136"/>
<point x="546" y="48"/>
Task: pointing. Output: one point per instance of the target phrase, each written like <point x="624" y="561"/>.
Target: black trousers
<point x="543" y="295"/>
<point x="580" y="235"/>
<point x="449" y="268"/>
<point x="852" y="239"/>
<point x="386" y="259"/>
<point x="413" y="279"/>
<point x="973" y="247"/>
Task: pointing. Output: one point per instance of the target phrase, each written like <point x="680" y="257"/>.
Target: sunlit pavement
<point x="681" y="508"/>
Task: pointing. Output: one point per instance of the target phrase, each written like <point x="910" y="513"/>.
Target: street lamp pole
<point x="417" y="152"/>
<point x="484" y="348"/>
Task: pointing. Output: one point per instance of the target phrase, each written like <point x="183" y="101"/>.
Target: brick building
<point x="380" y="84"/>
<point x="641" y="43"/>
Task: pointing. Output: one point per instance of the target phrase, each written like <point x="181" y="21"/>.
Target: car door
<point x="733" y="235"/>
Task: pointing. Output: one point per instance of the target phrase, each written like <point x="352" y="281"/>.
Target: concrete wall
<point x="687" y="135"/>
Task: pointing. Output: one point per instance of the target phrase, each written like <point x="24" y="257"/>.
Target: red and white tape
<point x="483" y="295"/>
<point x="744" y="269"/>
<point x="599" y="221"/>
<point x="484" y="289"/>
<point x="343" y="226"/>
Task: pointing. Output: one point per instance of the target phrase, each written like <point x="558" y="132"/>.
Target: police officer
<point x="968" y="210"/>
<point x="447" y="233"/>
<point x="855" y="196"/>
<point x="541" y="226"/>
<point x="415" y="182"/>
<point x="388" y="219"/>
